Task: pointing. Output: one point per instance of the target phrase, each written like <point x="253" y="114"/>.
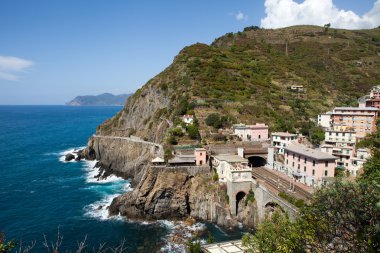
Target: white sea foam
<point x="99" y="209"/>
<point x="62" y="154"/>
<point x="92" y="172"/>
<point x="182" y="230"/>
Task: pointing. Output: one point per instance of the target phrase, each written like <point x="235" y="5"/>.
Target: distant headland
<point x="106" y="99"/>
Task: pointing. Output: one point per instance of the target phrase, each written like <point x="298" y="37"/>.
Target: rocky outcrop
<point x="121" y="157"/>
<point x="69" y="157"/>
<point x="177" y="194"/>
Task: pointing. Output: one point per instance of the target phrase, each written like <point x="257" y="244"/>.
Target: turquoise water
<point x="39" y="193"/>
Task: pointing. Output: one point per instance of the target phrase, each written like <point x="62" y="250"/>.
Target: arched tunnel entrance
<point x="239" y="197"/>
<point x="257" y="161"/>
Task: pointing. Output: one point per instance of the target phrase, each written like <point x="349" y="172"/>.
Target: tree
<point x="344" y="217"/>
<point x="193" y="132"/>
<point x="276" y="234"/>
<point x="214" y="120"/>
<point x="316" y="135"/>
<point x="327" y="26"/>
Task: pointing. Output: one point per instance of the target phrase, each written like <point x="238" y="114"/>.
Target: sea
<point x="43" y="198"/>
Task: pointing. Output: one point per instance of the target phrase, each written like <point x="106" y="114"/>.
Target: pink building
<point x="200" y="156"/>
<point x="308" y="166"/>
<point x="257" y="132"/>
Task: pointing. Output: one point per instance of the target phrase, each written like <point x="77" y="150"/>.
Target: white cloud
<point x="11" y="67"/>
<point x="240" y="16"/>
<point x="282" y="13"/>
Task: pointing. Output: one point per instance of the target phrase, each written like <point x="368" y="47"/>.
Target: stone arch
<point x="257" y="161"/>
<point x="239" y="196"/>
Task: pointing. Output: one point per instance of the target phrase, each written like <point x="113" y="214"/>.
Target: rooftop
<point x="309" y="152"/>
<point x="283" y="134"/>
<point x="226" y="247"/>
<point x="182" y="159"/>
<point x="231" y="158"/>
<point x="356" y="109"/>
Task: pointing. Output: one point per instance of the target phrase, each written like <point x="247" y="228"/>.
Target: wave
<point x="179" y="234"/>
<point x="92" y="172"/>
<point x="62" y="154"/>
<point x="99" y="209"/>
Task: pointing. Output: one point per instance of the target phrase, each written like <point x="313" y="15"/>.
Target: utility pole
<point x="286" y="48"/>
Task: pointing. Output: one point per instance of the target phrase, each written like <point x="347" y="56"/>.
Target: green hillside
<point x="246" y="77"/>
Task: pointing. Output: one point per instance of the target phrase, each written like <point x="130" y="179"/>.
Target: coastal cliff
<point x="122" y="157"/>
<point x="178" y="193"/>
<point x="245" y="77"/>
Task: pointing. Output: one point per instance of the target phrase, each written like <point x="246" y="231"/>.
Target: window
<point x="313" y="172"/>
<point x="305" y="159"/>
<point x="299" y="158"/>
<point x="293" y="165"/>
<point x="313" y="163"/>
<point x="287" y="162"/>
<point x="327" y="164"/>
<point x="304" y="168"/>
<point x="326" y="173"/>
<point x="293" y="156"/>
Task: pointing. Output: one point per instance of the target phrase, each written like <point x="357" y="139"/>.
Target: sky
<point x="52" y="51"/>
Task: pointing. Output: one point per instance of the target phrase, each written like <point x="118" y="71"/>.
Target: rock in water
<point x="69" y="157"/>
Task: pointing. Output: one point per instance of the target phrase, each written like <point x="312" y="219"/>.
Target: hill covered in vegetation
<point x="248" y="77"/>
<point x="102" y="99"/>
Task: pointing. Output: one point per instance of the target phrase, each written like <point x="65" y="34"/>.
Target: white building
<point x="232" y="168"/>
<point x="280" y="140"/>
<point x="188" y="119"/>
<point x="324" y="120"/>
<point x="357" y="162"/>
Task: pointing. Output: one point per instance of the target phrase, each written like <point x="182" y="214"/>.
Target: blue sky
<point x="52" y="51"/>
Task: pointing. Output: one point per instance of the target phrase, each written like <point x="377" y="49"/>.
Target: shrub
<point x="177" y="132"/>
<point x="214" y="120"/>
<point x="193" y="132"/>
<point x="172" y="140"/>
<point x="215" y="177"/>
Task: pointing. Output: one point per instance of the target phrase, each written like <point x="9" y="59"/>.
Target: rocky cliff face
<point x="177" y="194"/>
<point x="119" y="156"/>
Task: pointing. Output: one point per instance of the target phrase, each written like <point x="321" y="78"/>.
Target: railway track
<point x="280" y="183"/>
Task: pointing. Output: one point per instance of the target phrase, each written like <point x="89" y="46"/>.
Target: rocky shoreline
<point x="169" y="194"/>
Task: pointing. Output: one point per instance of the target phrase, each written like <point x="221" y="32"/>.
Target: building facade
<point x="361" y="120"/>
<point x="257" y="132"/>
<point x="228" y="166"/>
<point x="308" y="166"/>
<point x="324" y="120"/>
<point x="280" y="140"/>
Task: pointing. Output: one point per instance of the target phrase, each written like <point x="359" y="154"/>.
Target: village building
<point x="280" y="140"/>
<point x="375" y="92"/>
<point x="362" y="120"/>
<point x="257" y="132"/>
<point x="308" y="166"/>
<point x="158" y="161"/>
<point x="324" y="120"/>
<point x="231" y="167"/>
<point x="375" y="102"/>
<point x="340" y="142"/>
<point x="297" y="88"/>
<point x="200" y="156"/>
<point x="188" y="119"/>
<point x="358" y="161"/>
